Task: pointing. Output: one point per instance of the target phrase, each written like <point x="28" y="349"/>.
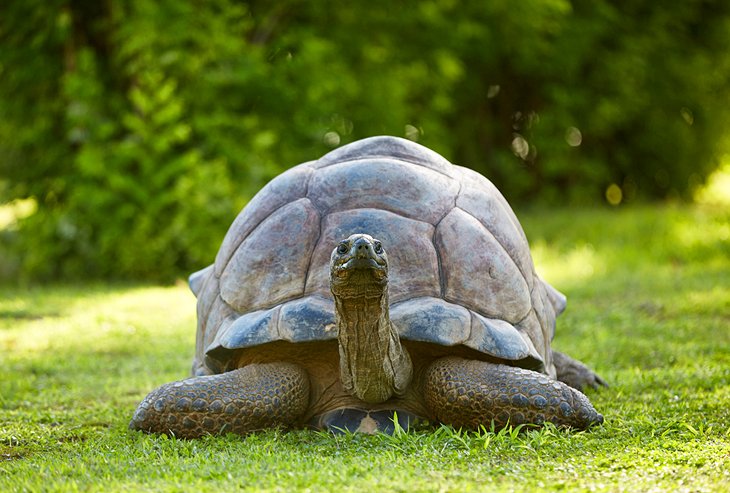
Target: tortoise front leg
<point x="469" y="393"/>
<point x="240" y="401"/>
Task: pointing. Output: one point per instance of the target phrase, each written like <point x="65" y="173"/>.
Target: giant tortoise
<point x="305" y="321"/>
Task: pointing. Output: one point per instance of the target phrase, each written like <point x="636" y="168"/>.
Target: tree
<point x="140" y="128"/>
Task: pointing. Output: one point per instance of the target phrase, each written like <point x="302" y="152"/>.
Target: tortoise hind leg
<point x="240" y="401"/>
<point x="470" y="393"/>
<point x="574" y="373"/>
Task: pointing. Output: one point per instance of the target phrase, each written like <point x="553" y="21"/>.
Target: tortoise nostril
<point x="362" y="244"/>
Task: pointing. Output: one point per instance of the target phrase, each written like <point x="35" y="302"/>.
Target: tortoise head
<point x="373" y="364"/>
<point x="359" y="268"/>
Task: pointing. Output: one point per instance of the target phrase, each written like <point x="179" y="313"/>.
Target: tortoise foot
<point x="240" y="401"/>
<point x="575" y="373"/>
<point x="469" y="393"/>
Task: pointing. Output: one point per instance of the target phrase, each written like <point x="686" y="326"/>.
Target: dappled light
<point x="651" y="242"/>
<point x="687" y="115"/>
<point x="331" y="139"/>
<point x="573" y="137"/>
<point x="520" y="147"/>
<point x="717" y="189"/>
<point x="698" y="237"/>
<point x="17" y="210"/>
<point x="614" y="194"/>
<point x="567" y="268"/>
<point x="412" y="132"/>
<point x="105" y="319"/>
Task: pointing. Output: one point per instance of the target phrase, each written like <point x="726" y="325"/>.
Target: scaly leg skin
<point x="575" y="373"/>
<point x="240" y="401"/>
<point x="469" y="393"/>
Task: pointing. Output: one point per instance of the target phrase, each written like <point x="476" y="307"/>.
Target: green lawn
<point x="649" y="309"/>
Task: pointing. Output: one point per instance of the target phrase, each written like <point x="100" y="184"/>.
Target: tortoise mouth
<point x="361" y="264"/>
<point x="359" y="281"/>
<point x="360" y="270"/>
<point x="359" y="277"/>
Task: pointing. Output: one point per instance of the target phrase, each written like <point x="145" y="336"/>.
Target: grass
<point x="649" y="309"/>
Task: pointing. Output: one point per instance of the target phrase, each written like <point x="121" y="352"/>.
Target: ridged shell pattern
<point x="460" y="267"/>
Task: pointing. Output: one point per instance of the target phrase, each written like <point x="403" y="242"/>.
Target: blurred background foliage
<point x="131" y="133"/>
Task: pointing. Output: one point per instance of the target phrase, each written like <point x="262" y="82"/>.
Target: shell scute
<point x="220" y="313"/>
<point x="431" y="320"/>
<point x="396" y="186"/>
<point x="471" y="180"/>
<point x="497" y="338"/>
<point x="383" y="146"/>
<point x="482" y="200"/>
<point x="532" y="332"/>
<point x="250" y="329"/>
<point x="478" y="273"/>
<point x="307" y="319"/>
<point x="270" y="265"/>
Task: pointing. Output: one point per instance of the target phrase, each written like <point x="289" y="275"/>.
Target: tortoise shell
<point x="460" y="267"/>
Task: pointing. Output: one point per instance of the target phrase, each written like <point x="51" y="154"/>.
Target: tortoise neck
<point x="373" y="364"/>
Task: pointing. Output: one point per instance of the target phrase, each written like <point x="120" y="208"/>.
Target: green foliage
<point x="650" y="316"/>
<point x="140" y="128"/>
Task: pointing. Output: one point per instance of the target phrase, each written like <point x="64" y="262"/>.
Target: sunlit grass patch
<point x="578" y="264"/>
<point x="98" y="318"/>
<point x="649" y="298"/>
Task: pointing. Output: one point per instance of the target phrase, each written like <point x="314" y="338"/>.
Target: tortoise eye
<point x="342" y="248"/>
<point x="378" y="248"/>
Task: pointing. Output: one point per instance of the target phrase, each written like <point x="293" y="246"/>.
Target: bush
<point x="141" y="128"/>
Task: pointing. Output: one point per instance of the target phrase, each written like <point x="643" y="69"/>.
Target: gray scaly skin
<point x="470" y="393"/>
<point x="373" y="364"/>
<point x="248" y="399"/>
<point x="374" y="368"/>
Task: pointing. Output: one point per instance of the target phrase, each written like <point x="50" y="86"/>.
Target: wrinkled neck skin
<point x="373" y="364"/>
